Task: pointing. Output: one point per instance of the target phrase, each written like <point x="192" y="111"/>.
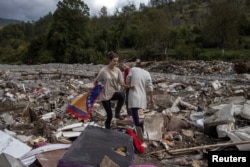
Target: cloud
<point x="32" y="10"/>
<point x="112" y="5"/>
<point x="26" y="10"/>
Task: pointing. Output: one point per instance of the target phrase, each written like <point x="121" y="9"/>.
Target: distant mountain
<point x="4" y="22"/>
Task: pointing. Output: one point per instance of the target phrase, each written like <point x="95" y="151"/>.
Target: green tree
<point x="120" y="24"/>
<point x="43" y="25"/>
<point x="154" y="36"/>
<point x="222" y="24"/>
<point x="36" y="48"/>
<point x="103" y="12"/>
<point x="100" y="29"/>
<point x="69" y="31"/>
<point x="14" y="40"/>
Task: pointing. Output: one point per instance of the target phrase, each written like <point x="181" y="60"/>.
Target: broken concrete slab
<point x="242" y="135"/>
<point x="222" y="116"/>
<point x="235" y="138"/>
<point x="194" y="116"/>
<point x="49" y="116"/>
<point x="245" y="129"/>
<point x="71" y="126"/>
<point x="223" y="129"/>
<point x="216" y="85"/>
<point x="164" y="100"/>
<point x="173" y="109"/>
<point x="246" y="110"/>
<point x="237" y="108"/>
<point x="9" y="161"/>
<point x="70" y="134"/>
<point x="179" y="102"/>
<point x="12" y="146"/>
<point x="29" y="157"/>
<point x="153" y="126"/>
<point x="8" y="118"/>
<point x="175" y="123"/>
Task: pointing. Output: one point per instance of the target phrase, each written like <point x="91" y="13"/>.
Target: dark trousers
<point x="119" y="96"/>
<point x="129" y="112"/>
<point x="135" y="116"/>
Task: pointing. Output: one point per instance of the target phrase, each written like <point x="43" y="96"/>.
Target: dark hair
<point x="112" y="55"/>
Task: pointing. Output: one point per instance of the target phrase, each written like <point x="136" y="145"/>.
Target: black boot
<point x="107" y="125"/>
<point x="118" y="116"/>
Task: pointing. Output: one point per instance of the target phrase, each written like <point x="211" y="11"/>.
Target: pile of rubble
<point x="199" y="106"/>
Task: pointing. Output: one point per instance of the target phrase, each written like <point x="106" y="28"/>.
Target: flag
<point x="83" y="106"/>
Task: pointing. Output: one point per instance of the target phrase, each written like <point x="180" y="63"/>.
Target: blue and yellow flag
<point x="83" y="106"/>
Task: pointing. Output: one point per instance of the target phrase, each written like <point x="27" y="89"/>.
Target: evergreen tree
<point x="69" y="34"/>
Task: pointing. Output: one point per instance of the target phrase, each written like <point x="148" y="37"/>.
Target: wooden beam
<point x="207" y="147"/>
<point x="185" y="150"/>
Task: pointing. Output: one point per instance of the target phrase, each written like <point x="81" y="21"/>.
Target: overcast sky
<point x="32" y="10"/>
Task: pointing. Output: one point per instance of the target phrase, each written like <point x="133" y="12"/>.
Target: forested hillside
<point x="4" y="22"/>
<point x="184" y="29"/>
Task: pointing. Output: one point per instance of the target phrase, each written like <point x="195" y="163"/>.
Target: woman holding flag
<point x="111" y="78"/>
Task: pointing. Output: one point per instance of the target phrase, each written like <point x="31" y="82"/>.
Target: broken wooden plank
<point x="185" y="150"/>
<point x="206" y="147"/>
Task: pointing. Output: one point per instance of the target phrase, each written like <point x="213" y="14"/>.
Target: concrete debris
<point x="13" y="147"/>
<point x="196" y="104"/>
<point x="239" y="137"/>
<point x="9" y="161"/>
<point x="222" y="116"/>
<point x="154" y="126"/>
<point x="30" y="157"/>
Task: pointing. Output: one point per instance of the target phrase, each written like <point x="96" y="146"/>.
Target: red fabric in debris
<point x="137" y="142"/>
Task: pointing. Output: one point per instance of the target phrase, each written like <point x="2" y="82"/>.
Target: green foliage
<point x="44" y="57"/>
<point x="228" y="55"/>
<point x="211" y="54"/>
<point x="97" y="57"/>
<point x="130" y="37"/>
<point x="13" y="31"/>
<point x="222" y="26"/>
<point x="43" y="25"/>
<point x="69" y="31"/>
<point x="184" y="29"/>
<point x="183" y="52"/>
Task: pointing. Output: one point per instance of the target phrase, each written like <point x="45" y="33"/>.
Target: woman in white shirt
<point x="141" y="84"/>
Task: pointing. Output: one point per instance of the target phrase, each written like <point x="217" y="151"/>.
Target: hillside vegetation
<point x="4" y="22"/>
<point x="184" y="30"/>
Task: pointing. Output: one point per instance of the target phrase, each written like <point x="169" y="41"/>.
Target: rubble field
<point x="199" y="106"/>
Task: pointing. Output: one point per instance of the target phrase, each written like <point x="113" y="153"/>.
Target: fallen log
<point x="185" y="150"/>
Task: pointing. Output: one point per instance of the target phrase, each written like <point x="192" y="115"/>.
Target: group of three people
<point x="136" y="81"/>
